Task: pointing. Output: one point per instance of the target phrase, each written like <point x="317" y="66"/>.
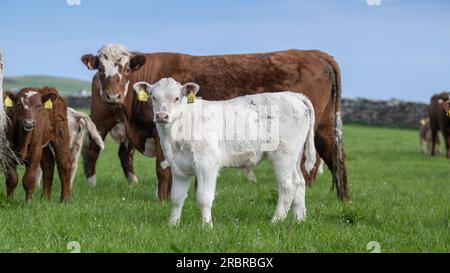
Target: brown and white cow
<point x="108" y="118"/>
<point x="39" y="135"/>
<point x="439" y="115"/>
<point x="312" y="72"/>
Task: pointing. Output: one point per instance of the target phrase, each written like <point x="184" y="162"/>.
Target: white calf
<point x="201" y="138"/>
<point x="80" y="124"/>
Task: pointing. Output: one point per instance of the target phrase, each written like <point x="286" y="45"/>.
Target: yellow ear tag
<point x="191" y="97"/>
<point x="142" y="95"/>
<point x="48" y="104"/>
<point x="448" y="113"/>
<point x="8" y="102"/>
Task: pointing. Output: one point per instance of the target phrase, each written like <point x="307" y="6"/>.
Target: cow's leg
<point x="434" y="136"/>
<point x="285" y="169"/>
<point x="126" y="152"/>
<point x="64" y="166"/>
<point x="207" y="178"/>
<point x="331" y="151"/>
<point x="179" y="192"/>
<point x="298" y="205"/>
<point x="48" y="170"/>
<point x="164" y="175"/>
<point x="11" y="182"/>
<point x="90" y="153"/>
<point x="447" y="143"/>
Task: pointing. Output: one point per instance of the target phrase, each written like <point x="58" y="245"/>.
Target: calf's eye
<point x="177" y="99"/>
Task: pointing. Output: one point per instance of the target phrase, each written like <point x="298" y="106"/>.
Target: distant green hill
<point x="64" y="85"/>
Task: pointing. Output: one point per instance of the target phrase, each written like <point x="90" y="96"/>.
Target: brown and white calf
<point x="39" y="135"/>
<point x="80" y="128"/>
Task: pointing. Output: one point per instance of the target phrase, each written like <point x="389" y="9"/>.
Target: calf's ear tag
<point x="8" y="102"/>
<point x="48" y="104"/>
<point x="142" y="95"/>
<point x="448" y="113"/>
<point x="191" y="97"/>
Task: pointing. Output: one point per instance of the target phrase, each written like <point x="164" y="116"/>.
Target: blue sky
<point x="399" y="49"/>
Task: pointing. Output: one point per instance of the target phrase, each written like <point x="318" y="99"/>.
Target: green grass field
<point x="400" y="200"/>
<point x="65" y="86"/>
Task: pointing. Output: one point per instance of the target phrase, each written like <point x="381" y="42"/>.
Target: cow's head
<point x="115" y="64"/>
<point x="28" y="105"/>
<point x="445" y="105"/>
<point x="166" y="95"/>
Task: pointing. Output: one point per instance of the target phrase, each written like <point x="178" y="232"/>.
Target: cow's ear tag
<point x="191" y="97"/>
<point x="423" y="122"/>
<point x="448" y="113"/>
<point x="142" y="95"/>
<point x="48" y="104"/>
<point x="8" y="102"/>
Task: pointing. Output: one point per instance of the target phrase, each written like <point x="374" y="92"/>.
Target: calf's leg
<point x="284" y="171"/>
<point x="29" y="178"/>
<point x="206" y="189"/>
<point x="180" y="189"/>
<point x="64" y="166"/>
<point x="298" y="205"/>
<point x="11" y="182"/>
<point x="48" y="170"/>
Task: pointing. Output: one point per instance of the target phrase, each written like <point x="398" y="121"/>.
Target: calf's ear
<point x="9" y="99"/>
<point x="190" y="87"/>
<point x="49" y="96"/>
<point x="90" y="61"/>
<point x="139" y="86"/>
<point x="137" y="62"/>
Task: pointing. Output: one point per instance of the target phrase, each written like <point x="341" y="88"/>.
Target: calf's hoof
<point x="174" y="222"/>
<point x="207" y="225"/>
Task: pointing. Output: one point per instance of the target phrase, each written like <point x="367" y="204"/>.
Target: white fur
<point x="80" y="125"/>
<point x="204" y="156"/>
<point x="30" y="93"/>
<point x="116" y="54"/>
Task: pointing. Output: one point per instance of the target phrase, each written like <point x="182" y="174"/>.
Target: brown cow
<point x="39" y="135"/>
<point x="107" y="118"/>
<point x="313" y="73"/>
<point x="439" y="115"/>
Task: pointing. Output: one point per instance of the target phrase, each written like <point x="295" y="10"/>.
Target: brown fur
<point x="50" y="131"/>
<point x="313" y="73"/>
<point x="440" y="121"/>
<point x="105" y="117"/>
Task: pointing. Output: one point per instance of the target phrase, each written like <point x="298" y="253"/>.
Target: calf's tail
<point x="310" y="149"/>
<point x="89" y="128"/>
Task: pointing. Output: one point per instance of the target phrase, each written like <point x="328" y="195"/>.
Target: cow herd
<point x="196" y="115"/>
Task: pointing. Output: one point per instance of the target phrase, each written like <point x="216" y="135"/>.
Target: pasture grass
<point x="400" y="200"/>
